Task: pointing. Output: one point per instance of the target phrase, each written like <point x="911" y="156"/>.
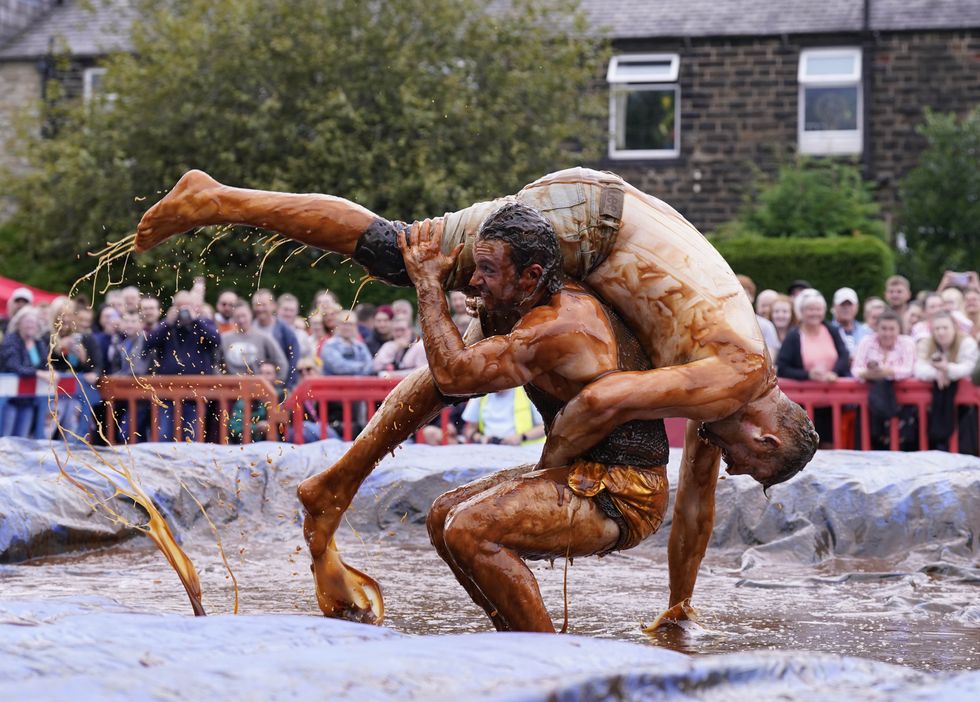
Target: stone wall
<point x="739" y="100"/>
<point x="20" y="87"/>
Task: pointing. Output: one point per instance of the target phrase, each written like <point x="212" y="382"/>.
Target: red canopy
<point x="8" y="285"/>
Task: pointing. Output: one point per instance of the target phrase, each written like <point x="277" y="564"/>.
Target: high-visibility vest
<point x="523" y="418"/>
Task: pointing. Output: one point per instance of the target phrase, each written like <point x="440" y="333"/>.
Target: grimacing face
<point x="748" y="439"/>
<point x="494" y="275"/>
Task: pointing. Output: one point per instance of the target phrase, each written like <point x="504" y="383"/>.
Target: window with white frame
<point x="92" y="83"/>
<point x="831" y="101"/>
<point x="644" y="106"/>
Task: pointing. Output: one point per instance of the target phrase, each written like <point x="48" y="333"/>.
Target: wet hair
<point x="800" y="441"/>
<point x="532" y="240"/>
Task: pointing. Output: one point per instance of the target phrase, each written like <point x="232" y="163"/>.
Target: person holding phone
<point x="880" y="359"/>
<point x="945" y="357"/>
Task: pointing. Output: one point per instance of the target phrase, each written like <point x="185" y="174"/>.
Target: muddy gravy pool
<point x="884" y="610"/>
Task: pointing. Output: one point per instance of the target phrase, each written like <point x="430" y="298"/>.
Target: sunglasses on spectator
<point x="305" y="369"/>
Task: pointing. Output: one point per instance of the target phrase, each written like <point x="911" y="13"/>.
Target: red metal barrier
<point x="223" y="390"/>
<point x="845" y="398"/>
<point x="353" y="393"/>
<point x="847" y="394"/>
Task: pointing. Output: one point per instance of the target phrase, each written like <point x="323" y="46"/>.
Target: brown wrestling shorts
<point x="634" y="498"/>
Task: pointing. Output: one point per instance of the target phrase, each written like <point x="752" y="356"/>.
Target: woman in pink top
<point x="814" y="351"/>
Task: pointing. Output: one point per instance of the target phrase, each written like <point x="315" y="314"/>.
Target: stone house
<point x="701" y="92"/>
<point x="41" y="40"/>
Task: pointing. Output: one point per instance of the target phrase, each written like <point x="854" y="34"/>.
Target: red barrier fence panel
<point x="357" y="395"/>
<point x="919" y="394"/>
<point x="222" y="390"/>
<point x="845" y="396"/>
<point x="359" y="398"/>
<point x="848" y="394"/>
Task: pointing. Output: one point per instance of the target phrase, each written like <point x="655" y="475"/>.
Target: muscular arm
<point x="497" y="363"/>
<point x="694" y="519"/>
<point x="704" y="390"/>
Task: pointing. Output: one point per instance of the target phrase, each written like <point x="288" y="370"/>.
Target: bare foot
<point x="683" y="611"/>
<point x="190" y="204"/>
<point x="342" y="592"/>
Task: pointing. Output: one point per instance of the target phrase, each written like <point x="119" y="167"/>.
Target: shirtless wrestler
<point x="554" y="339"/>
<point x="642" y="258"/>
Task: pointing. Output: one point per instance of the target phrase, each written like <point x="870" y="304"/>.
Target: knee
<point x="463" y="533"/>
<point x="435" y="522"/>
<point x="308" y="493"/>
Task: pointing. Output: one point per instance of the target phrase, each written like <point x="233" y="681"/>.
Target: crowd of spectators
<point x="129" y="334"/>
<point x="931" y="336"/>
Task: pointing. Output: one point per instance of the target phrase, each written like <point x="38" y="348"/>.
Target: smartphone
<point x="960" y="279"/>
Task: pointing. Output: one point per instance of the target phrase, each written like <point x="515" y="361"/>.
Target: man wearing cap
<point x="845" y="313"/>
<point x="19" y="299"/>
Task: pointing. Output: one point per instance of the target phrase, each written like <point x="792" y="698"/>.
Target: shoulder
<point x="570" y="309"/>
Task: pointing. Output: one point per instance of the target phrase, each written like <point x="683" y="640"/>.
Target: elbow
<point x="453" y="384"/>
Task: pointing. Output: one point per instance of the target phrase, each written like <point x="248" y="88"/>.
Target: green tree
<point x="940" y="214"/>
<point x="810" y="198"/>
<point x="410" y="107"/>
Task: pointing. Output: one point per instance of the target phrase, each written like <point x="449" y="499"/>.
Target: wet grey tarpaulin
<point x="853" y="504"/>
<point x="886" y="543"/>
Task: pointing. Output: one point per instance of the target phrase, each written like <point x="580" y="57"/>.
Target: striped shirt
<point x="900" y="358"/>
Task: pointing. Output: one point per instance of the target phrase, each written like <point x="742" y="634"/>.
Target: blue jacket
<point x="289" y="343"/>
<point x="15" y="358"/>
<point x="341" y="357"/>
<point x="184" y="350"/>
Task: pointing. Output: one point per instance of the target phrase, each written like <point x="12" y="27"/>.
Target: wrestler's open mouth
<point x="710" y="437"/>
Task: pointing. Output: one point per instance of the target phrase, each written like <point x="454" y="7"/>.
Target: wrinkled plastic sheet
<point x="844" y="504"/>
<point x="92" y="650"/>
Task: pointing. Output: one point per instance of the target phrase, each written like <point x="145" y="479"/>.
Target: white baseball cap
<point x="845" y="295"/>
<point x="22" y="294"/>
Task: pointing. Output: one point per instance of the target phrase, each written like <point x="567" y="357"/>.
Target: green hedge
<point x="859" y="262"/>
